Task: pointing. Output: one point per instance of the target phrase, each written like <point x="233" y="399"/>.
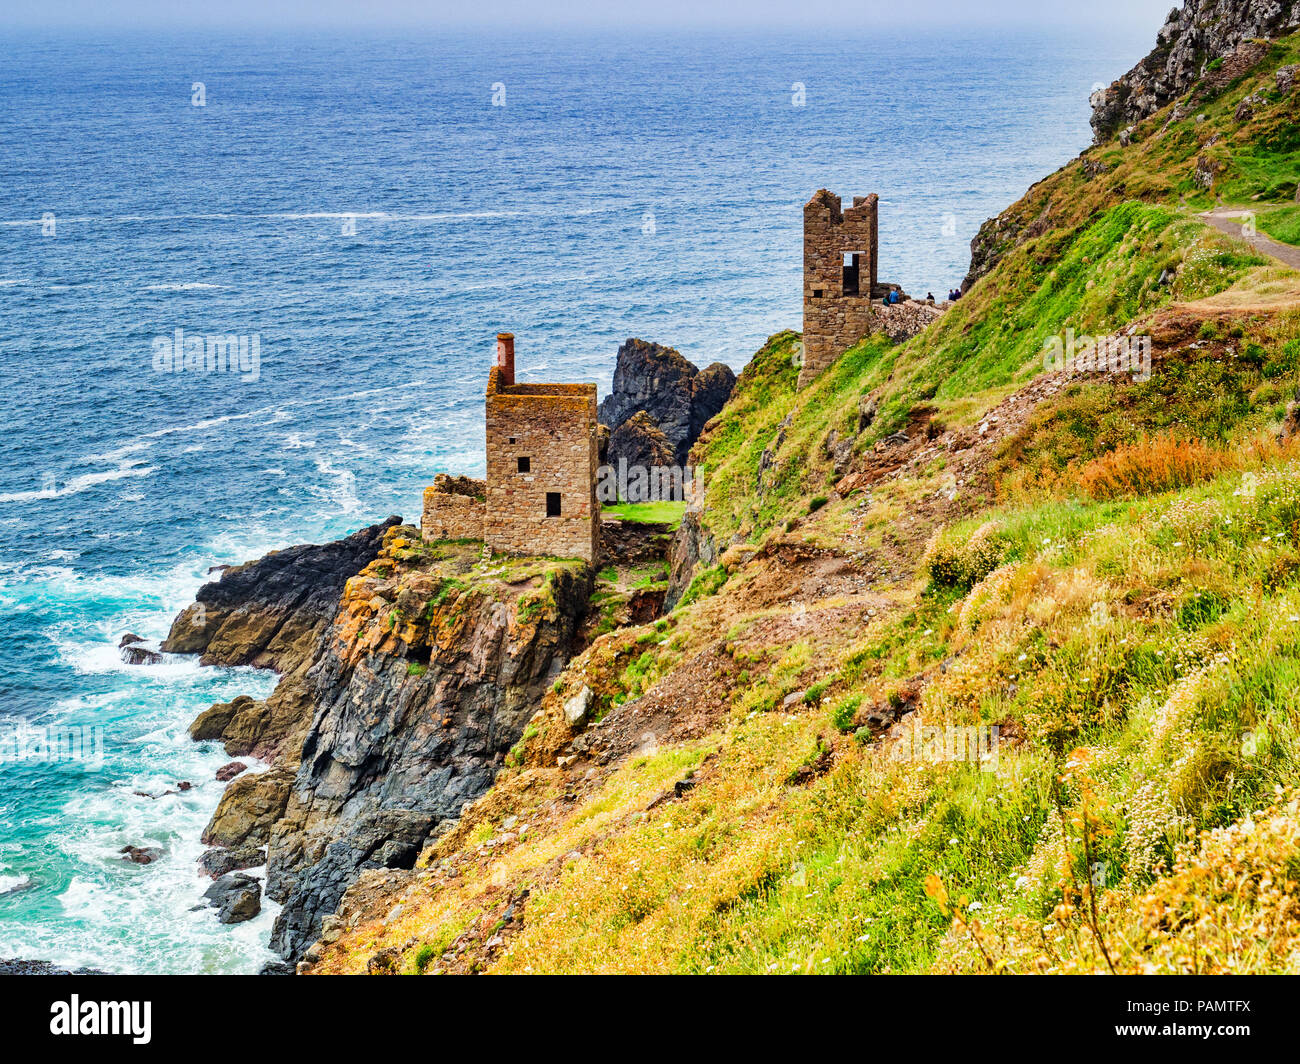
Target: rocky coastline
<point x="408" y="671"/>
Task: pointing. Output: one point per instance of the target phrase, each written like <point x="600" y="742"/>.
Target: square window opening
<point x="552" y="504"/>
<point x="525" y="464"/>
<point x="851" y="263"/>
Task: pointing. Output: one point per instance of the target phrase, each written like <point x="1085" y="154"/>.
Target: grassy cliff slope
<point x="999" y="669"/>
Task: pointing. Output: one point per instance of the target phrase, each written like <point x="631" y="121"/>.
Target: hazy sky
<point x="791" y="14"/>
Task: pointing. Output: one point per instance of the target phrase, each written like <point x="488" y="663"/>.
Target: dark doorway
<point x="552" y="504"/>
<point x="524" y="465"/>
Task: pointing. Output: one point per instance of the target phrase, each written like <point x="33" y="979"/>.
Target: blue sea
<point x="368" y="210"/>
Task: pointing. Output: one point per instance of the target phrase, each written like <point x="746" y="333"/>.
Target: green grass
<point x="1154" y="639"/>
<point x="1282" y="224"/>
<point x="655" y="513"/>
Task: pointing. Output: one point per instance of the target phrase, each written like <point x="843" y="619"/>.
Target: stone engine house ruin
<point x="843" y="296"/>
<point x="839" y="277"/>
<point x="542" y="457"/>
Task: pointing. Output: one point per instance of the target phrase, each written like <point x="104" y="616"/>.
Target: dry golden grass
<point x="1167" y="463"/>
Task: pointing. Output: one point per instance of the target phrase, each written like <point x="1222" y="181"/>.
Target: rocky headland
<point x="408" y="672"/>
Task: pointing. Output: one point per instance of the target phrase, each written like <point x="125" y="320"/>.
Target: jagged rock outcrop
<point x="270" y="613"/>
<point x="411" y="672"/>
<point x="640" y="442"/>
<point x="424" y="683"/>
<point x="1193" y="37"/>
<point x="1204" y="45"/>
<point x="709" y="394"/>
<point x="692" y="549"/>
<point x="677" y="397"/>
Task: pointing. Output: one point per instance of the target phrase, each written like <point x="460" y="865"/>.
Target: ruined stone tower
<point x="839" y="277"/>
<point x="542" y="456"/>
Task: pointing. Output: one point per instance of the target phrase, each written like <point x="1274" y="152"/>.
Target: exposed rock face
<point x="425" y="682"/>
<point x="248" y="808"/>
<point x="709" y="394"/>
<point x="640" y="442"/>
<point x="1194" y="36"/>
<point x="677" y="397"/>
<point x="272" y="612"/>
<point x="692" y="548"/>
<point x="409" y="674"/>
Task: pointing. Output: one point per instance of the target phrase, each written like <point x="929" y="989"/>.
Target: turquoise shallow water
<point x="359" y="204"/>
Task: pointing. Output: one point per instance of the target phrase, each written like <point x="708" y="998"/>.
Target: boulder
<point x="577" y="707"/>
<point x="139" y="654"/>
<point x="1206" y="168"/>
<point x="128" y="639"/>
<point x="236" y="897"/>
<point x="140" y="854"/>
<point x="240" y="725"/>
<point x="229" y="771"/>
<point x="218" y="862"/>
<point x="248" y="808"/>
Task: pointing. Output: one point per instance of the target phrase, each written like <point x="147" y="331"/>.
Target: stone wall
<point x="553" y="428"/>
<point x="901" y="321"/>
<point x="454" y="508"/>
<point x="837" y="309"/>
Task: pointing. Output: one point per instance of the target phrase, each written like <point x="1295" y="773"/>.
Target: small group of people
<point x="896" y="296"/>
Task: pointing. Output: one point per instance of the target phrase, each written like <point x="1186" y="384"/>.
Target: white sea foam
<point x="12" y="884"/>
<point x="343" y="492"/>
<point x="83" y="482"/>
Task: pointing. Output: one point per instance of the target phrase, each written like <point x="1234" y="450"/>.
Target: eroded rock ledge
<point x="408" y="680"/>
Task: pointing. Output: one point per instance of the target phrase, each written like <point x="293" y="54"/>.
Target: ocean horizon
<point x="366" y="212"/>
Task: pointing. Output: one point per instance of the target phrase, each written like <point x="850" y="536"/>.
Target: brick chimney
<point x="506" y="357"/>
